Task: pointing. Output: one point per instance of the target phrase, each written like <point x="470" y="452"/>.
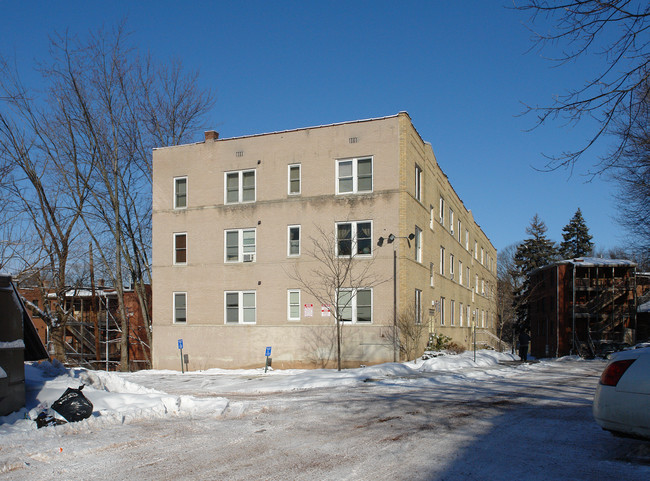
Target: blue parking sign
<point x="268" y="351"/>
<point x="180" y="344"/>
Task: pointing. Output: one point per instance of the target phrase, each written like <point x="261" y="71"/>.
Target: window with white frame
<point x="451" y="221"/>
<point x="467" y="239"/>
<point x="240" y="186"/>
<point x="476" y="282"/>
<point x="431" y="276"/>
<point x="180" y="307"/>
<point x="418" y="244"/>
<point x="180" y="192"/>
<point x="482" y="256"/>
<point x="294" y="179"/>
<point x="442" y="210"/>
<point x="451" y="266"/>
<point x="417" y="304"/>
<point x="354" y="238"/>
<point x="239" y="245"/>
<point x="483" y="286"/>
<point x="452" y="312"/>
<point x="482" y="318"/>
<point x="469" y="313"/>
<point x="293" y="304"/>
<point x="180" y="248"/>
<point x="293" y="235"/>
<point x="431" y="217"/>
<point x="475" y="250"/>
<point x="460" y="272"/>
<point x="354" y="175"/>
<point x="442" y="311"/>
<point x="442" y="261"/>
<point x="467" y="276"/>
<point x="460" y="230"/>
<point x="355" y="305"/>
<point x="418" y="183"/>
<point x="240" y="307"/>
<point x="460" y="314"/>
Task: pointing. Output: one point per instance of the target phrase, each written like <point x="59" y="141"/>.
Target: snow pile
<point x="124" y="397"/>
<point x="115" y="400"/>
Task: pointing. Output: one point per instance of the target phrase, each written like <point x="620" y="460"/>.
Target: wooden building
<point x="19" y="342"/>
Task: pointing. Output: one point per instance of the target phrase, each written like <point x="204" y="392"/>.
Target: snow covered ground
<point x="448" y="418"/>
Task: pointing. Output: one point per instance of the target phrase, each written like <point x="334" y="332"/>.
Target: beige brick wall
<point x="394" y="146"/>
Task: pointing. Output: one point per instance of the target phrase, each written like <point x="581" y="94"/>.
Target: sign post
<point x="180" y="348"/>
<point x="267" y="354"/>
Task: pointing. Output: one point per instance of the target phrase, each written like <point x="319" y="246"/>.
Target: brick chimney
<point x="211" y="135"/>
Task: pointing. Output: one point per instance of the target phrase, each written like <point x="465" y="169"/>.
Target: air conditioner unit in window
<point x="249" y="257"/>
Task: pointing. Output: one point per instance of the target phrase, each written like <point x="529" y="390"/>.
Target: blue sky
<point x="461" y="69"/>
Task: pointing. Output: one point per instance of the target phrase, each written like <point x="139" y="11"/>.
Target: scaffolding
<point x="93" y="332"/>
<point x="603" y="308"/>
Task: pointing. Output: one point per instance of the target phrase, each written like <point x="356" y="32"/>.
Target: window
<point x="354" y="238"/>
<point x="240" y="187"/>
<point x="180" y="307"/>
<point x="293" y="305"/>
<point x="476" y="282"/>
<point x="469" y="313"/>
<point x="442" y="311"/>
<point x="451" y="266"/>
<point x="431" y="217"/>
<point x="418" y="306"/>
<point x="293" y="248"/>
<point x="294" y="179"/>
<point x="482" y="318"/>
<point x="240" y="245"/>
<point x="353" y="176"/>
<point x="482" y="256"/>
<point x="460" y="314"/>
<point x="240" y="307"/>
<point x="460" y="272"/>
<point x="431" y="274"/>
<point x="475" y="250"/>
<point x="466" y="239"/>
<point x="460" y="230"/>
<point x="180" y="192"/>
<point x="180" y="249"/>
<point x="355" y="305"/>
<point x="451" y="221"/>
<point x="452" y="313"/>
<point x="418" y="183"/>
<point x="442" y="210"/>
<point x="418" y="244"/>
<point x="469" y="279"/>
<point x="483" y="286"/>
<point x="442" y="261"/>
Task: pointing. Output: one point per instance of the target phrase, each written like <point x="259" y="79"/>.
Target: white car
<point x="622" y="401"/>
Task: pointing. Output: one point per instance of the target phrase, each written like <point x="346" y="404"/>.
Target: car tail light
<point x="613" y="373"/>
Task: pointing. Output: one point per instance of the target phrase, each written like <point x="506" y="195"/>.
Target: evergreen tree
<point x="577" y="241"/>
<point x="536" y="251"/>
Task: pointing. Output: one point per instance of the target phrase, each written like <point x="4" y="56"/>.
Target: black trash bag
<point x="73" y="405"/>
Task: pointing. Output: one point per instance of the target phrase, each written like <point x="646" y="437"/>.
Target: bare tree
<point x="412" y="332"/>
<point x="632" y="177"/>
<point x="105" y="110"/>
<point x="508" y="282"/>
<point x="615" y="30"/>
<point x="338" y="276"/>
<point x="35" y="149"/>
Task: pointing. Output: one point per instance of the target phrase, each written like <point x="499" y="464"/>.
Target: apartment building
<point x="235" y="219"/>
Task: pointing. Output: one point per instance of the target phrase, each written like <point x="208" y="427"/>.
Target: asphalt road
<point x="526" y="426"/>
